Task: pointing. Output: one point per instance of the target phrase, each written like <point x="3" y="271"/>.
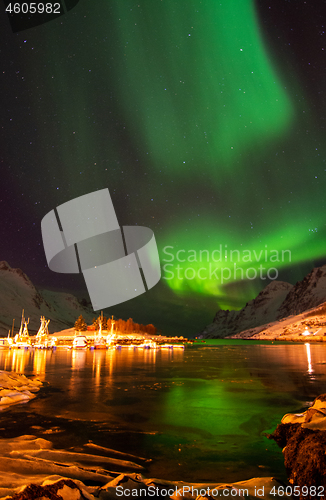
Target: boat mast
<point x="21" y="324"/>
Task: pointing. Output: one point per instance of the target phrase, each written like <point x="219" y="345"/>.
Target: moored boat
<point x="42" y="339"/>
<point x="149" y="344"/>
<point x="22" y="339"/>
<point x="79" y="342"/>
<point x="172" y="346"/>
<point x="111" y="338"/>
<point x="99" y="340"/>
<point x="4" y="342"/>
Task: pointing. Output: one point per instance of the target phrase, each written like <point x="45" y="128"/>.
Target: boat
<point x="53" y="342"/>
<point x="172" y="346"/>
<point x="22" y="339"/>
<point x="5" y="342"/>
<point x="111" y="336"/>
<point x="99" y="340"/>
<point x="148" y="344"/>
<point x="42" y="339"/>
<point x="79" y="342"/>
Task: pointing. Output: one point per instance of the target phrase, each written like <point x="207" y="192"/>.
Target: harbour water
<point x="200" y="414"/>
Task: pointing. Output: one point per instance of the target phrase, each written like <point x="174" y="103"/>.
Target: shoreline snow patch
<point x="16" y="388"/>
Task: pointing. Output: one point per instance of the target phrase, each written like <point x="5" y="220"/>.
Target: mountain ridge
<point x="17" y="292"/>
<point x="276" y="301"/>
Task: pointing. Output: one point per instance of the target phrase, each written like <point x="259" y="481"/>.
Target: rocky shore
<point x="303" y="439"/>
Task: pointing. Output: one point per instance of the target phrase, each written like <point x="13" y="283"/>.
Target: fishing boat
<point x="22" y="339"/>
<point x="8" y="342"/>
<point x="111" y="336"/>
<point x="5" y="342"/>
<point x="42" y="340"/>
<point x="99" y="340"/>
<point x="148" y="344"/>
<point x="53" y="342"/>
<point x="172" y="346"/>
<point x="79" y="342"/>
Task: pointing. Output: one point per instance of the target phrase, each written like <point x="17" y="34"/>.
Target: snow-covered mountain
<point x="261" y="310"/>
<point x="17" y="292"/>
<point x="308" y="293"/>
<point x="278" y="300"/>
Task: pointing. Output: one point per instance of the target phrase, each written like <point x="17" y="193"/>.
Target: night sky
<point x="206" y="121"/>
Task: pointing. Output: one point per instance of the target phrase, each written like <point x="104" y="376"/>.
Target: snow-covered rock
<point x="26" y="478"/>
<point x="303" y="439"/>
<point x="15" y="388"/>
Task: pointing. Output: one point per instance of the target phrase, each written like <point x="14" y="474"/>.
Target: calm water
<point x="200" y="414"/>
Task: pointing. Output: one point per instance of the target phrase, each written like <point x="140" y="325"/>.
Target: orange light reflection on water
<point x="310" y="370"/>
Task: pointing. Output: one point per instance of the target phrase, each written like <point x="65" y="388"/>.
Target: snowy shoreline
<point x="15" y="388"/>
<point x="30" y="468"/>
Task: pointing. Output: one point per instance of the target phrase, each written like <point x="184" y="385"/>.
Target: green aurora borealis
<point x="201" y="128"/>
<point x="206" y="92"/>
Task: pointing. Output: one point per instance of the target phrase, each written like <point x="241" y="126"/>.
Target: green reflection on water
<point x="206" y="408"/>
